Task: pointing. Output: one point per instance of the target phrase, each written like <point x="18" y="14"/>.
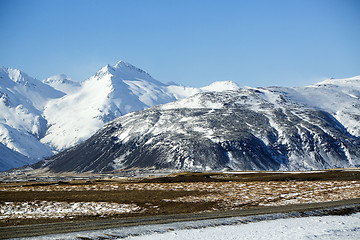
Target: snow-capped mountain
<point x="22" y="125"/>
<point x="112" y="92"/>
<point x="313" y="127"/>
<point x="40" y="118"/>
<point x="215" y="127"/>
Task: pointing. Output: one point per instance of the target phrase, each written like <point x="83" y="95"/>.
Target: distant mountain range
<point x="40" y="118"/>
<point x="275" y="128"/>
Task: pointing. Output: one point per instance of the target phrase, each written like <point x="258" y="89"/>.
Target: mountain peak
<point x="123" y="64"/>
<point x="63" y="78"/>
<point x="125" y="70"/>
<point x="107" y="68"/>
<point x="128" y="69"/>
<point x="62" y="83"/>
<point x="16" y="75"/>
<point x="221" y="86"/>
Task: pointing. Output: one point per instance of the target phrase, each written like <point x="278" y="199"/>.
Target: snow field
<point x="328" y="227"/>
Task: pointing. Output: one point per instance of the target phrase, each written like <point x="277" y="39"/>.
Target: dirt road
<point x="334" y="207"/>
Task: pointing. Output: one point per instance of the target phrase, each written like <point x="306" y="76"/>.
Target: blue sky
<point x="254" y="43"/>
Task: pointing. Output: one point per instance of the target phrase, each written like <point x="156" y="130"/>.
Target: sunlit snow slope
<point x="22" y="125"/>
<point x="339" y="97"/>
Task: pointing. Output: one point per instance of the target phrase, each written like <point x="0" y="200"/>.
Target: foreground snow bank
<point x="271" y="226"/>
<point x="328" y="227"/>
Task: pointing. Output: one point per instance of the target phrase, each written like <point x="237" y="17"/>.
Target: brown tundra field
<point x="32" y="202"/>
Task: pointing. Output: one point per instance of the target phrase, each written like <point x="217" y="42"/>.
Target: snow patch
<point x="53" y="209"/>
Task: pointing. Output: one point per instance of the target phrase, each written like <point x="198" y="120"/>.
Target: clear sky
<point x="253" y="43"/>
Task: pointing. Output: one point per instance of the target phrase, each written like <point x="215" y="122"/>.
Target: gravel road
<point x="327" y="208"/>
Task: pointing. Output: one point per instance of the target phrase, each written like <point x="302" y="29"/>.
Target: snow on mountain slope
<point x="26" y="88"/>
<point x="339" y="97"/>
<point x="22" y="125"/>
<point x="110" y="93"/>
<point x="220" y="86"/>
<point x="11" y="159"/>
<point x="180" y="92"/>
<point x="62" y="83"/>
<point x="113" y="91"/>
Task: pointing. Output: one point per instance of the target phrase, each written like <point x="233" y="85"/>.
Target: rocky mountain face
<point x="314" y="127"/>
<point x="40" y="118"/>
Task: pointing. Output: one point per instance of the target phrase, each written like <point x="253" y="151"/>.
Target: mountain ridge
<point x="149" y="124"/>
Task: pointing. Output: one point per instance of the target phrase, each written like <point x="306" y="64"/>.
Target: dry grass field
<point x="43" y="202"/>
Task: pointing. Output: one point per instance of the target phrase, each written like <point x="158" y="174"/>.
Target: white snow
<point x="339" y="97"/>
<point x="328" y="227"/>
<point x="220" y="86"/>
<point x="192" y="102"/>
<point x="180" y="92"/>
<point x="77" y="116"/>
<point x="22" y="100"/>
<point x="283" y="226"/>
<point x="62" y="83"/>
